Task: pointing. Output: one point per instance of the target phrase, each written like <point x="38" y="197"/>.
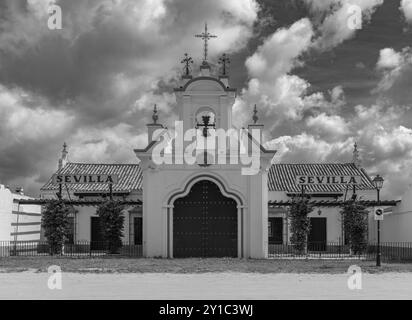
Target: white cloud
<point x="389" y="59"/>
<point x="280" y="52"/>
<point x="106" y="145"/>
<point x="392" y="65"/>
<point x="406" y="8"/>
<point x="331" y="127"/>
<point x="307" y="148"/>
<point x="386" y="146"/>
<point x="27" y="118"/>
<point x="332" y="17"/>
<point x="271" y="85"/>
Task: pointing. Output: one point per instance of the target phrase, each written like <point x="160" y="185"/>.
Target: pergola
<point x="78" y="202"/>
<point x="335" y="203"/>
<point x="272" y="204"/>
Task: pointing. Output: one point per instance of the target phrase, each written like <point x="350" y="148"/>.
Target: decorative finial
<point x="224" y="60"/>
<point x="206" y="36"/>
<point x="356" y="158"/>
<point x="64" y="158"/>
<point x="155" y="117"/>
<point x="255" y="116"/>
<point x="187" y="61"/>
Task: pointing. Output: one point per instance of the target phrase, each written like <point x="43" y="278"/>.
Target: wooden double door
<point x="205" y="223"/>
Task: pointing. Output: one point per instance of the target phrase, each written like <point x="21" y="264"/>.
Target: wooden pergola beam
<point x="78" y="202"/>
<point x="331" y="203"/>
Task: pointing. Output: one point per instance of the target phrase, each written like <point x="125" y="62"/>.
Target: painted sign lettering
<point x="310" y="180"/>
<point x="85" y="178"/>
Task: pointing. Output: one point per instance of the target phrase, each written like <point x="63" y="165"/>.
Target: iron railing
<point x="390" y="251"/>
<point x="76" y="249"/>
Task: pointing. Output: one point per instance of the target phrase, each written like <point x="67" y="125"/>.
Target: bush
<point x="355" y="221"/>
<point x="56" y="224"/>
<point x="300" y="224"/>
<point x="112" y="224"/>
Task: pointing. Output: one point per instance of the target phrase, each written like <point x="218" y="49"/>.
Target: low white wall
<point x="25" y="220"/>
<point x="6" y="208"/>
<point x="397" y="225"/>
<point x="17" y="223"/>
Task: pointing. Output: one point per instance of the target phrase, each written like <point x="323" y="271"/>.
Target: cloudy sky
<point x="319" y="84"/>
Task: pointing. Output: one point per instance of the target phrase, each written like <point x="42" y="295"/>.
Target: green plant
<point x="56" y="224"/>
<point x="355" y="221"/>
<point x="112" y="224"/>
<point x="300" y="224"/>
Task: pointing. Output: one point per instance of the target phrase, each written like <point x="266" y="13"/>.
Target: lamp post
<point x="378" y="184"/>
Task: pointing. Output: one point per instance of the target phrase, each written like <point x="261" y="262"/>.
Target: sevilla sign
<point x="85" y="178"/>
<point x="328" y="180"/>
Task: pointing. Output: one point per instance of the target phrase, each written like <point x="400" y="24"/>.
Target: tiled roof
<point x="130" y="177"/>
<point x="282" y="177"/>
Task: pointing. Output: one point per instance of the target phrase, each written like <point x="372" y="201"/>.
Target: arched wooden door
<point x="205" y="223"/>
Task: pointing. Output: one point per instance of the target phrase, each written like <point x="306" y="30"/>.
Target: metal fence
<point x="390" y="251"/>
<point x="76" y="249"/>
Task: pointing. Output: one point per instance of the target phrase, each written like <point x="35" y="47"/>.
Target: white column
<point x="170" y="231"/>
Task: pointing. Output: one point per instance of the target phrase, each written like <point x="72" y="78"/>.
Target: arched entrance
<point x="205" y="223"/>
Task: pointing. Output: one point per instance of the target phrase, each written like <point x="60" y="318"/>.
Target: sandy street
<point x="30" y="285"/>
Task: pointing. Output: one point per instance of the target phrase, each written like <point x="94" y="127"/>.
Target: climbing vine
<point x="355" y="221"/>
<point x="300" y="224"/>
<point x="112" y="224"/>
<point x="56" y="224"/>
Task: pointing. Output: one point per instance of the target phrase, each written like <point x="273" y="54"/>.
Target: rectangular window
<point x="138" y="230"/>
<point x="275" y="230"/>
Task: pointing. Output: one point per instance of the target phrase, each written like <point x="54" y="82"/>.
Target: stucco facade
<point x="159" y="184"/>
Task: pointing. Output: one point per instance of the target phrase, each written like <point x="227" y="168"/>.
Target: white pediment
<point x="205" y="85"/>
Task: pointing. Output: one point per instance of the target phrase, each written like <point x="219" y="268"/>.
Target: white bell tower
<point x="205" y="95"/>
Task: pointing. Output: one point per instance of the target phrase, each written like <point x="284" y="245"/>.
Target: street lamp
<point x="378" y="184"/>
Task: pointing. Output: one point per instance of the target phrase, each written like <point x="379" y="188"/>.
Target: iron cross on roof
<point x="206" y="36"/>
<point x="224" y="60"/>
<point x="187" y="61"/>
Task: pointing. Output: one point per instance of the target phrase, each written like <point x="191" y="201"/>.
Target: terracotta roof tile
<point x="130" y="177"/>
<point x="281" y="177"/>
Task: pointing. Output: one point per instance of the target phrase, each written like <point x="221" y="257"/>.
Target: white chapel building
<point x="209" y="207"/>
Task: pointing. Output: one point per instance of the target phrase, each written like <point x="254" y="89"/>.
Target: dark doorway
<point x="205" y="223"/>
<point x="275" y="230"/>
<point x="317" y="235"/>
<point x="138" y="230"/>
<point x="97" y="241"/>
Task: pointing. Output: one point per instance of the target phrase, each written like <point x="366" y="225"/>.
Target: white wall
<point x="83" y="223"/>
<point x="25" y="220"/>
<point x="332" y="214"/>
<point x="6" y="208"/>
<point x="397" y="225"/>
